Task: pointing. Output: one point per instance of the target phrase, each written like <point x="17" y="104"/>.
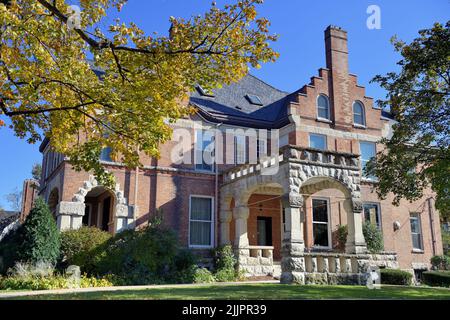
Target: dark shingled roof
<point x="230" y="104"/>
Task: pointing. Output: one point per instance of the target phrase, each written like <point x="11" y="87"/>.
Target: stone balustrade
<point x="256" y="260"/>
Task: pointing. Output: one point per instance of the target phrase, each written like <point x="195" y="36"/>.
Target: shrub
<point x="9" y="249"/>
<point x="145" y="256"/>
<point x="342" y="233"/>
<point x="41" y="276"/>
<point x="185" y="267"/>
<point x="397" y="277"/>
<point x="203" y="275"/>
<point x="373" y="237"/>
<point x="436" y="278"/>
<point x="225" y="264"/>
<point x="441" y="262"/>
<point x="78" y="246"/>
<point x="41" y="241"/>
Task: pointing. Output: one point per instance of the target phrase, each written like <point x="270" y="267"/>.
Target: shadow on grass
<point x="256" y="291"/>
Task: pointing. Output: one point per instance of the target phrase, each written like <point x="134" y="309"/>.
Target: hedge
<point x="436" y="278"/>
<point x="397" y="277"/>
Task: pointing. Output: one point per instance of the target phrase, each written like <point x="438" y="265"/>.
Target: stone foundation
<point x="384" y="260"/>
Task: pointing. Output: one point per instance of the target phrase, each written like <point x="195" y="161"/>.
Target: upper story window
<point x="261" y="148"/>
<point x="368" y="151"/>
<point x="105" y="155"/>
<point x="323" y="107"/>
<point x="240" y="155"/>
<point x="204" y="149"/>
<point x="318" y="141"/>
<point x="359" y="117"/>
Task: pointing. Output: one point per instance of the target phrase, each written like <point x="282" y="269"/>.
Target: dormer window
<point x="254" y="99"/>
<point x="204" y="92"/>
<point x="323" y="107"/>
<point x="359" y="118"/>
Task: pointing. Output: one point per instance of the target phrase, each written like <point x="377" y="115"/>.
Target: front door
<point x="264" y="230"/>
<point x="105" y="213"/>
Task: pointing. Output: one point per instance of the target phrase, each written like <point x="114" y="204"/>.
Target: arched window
<point x="358" y="114"/>
<point x="323" y="107"/>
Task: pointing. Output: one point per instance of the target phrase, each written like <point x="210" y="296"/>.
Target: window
<point x="323" y="107"/>
<point x="261" y="148"/>
<point x="318" y="141"/>
<point x="372" y="214"/>
<point x="201" y="226"/>
<point x="239" y="149"/>
<point x="105" y="155"/>
<point x="416" y="231"/>
<point x="204" y="151"/>
<point x="321" y="230"/>
<point x="253" y="99"/>
<point x="368" y="151"/>
<point x="358" y="114"/>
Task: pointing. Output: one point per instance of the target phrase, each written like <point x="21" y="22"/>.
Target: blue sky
<point x="299" y="24"/>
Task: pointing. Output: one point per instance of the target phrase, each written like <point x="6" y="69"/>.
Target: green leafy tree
<point x="373" y="237"/>
<point x="135" y="83"/>
<point x="417" y="155"/>
<point x="36" y="171"/>
<point x="40" y="236"/>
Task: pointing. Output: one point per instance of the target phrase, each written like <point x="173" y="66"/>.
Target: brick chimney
<point x="337" y="61"/>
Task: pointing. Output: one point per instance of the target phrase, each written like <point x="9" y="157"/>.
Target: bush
<point x="78" y="246"/>
<point x="145" y="256"/>
<point x="41" y="241"/>
<point x="436" y="278"/>
<point x="397" y="277"/>
<point x="34" y="241"/>
<point x="225" y="264"/>
<point x="203" y="275"/>
<point x="441" y="262"/>
<point x="41" y="276"/>
<point x="373" y="237"/>
<point x="342" y="233"/>
<point x="185" y="267"/>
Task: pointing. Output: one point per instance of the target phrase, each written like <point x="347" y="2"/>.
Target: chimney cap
<point x="333" y="27"/>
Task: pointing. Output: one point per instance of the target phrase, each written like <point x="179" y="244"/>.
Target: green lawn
<point x="259" y="291"/>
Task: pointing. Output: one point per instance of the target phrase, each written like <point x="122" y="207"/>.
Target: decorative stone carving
<point x="292" y="200"/>
<point x="357" y="205"/>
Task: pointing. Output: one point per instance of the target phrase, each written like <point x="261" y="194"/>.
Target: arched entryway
<point x="99" y="209"/>
<point x="53" y="200"/>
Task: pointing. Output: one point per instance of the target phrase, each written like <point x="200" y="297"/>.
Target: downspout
<point x="216" y="192"/>
<point x="433" y="236"/>
<point x="136" y="188"/>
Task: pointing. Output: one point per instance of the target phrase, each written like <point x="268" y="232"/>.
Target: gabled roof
<point x="231" y="104"/>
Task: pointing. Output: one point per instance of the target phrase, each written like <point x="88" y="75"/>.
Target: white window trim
<point x="195" y="152"/>
<point x="194" y="246"/>
<point x="319" y="222"/>
<point x="318" y="135"/>
<point x="236" y="138"/>
<point x="418" y="217"/>
<point x="363" y="115"/>
<point x="378" y="214"/>
<point x="329" y="109"/>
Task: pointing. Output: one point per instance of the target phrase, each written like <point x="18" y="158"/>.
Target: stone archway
<point x="53" y="200"/>
<point x="70" y="214"/>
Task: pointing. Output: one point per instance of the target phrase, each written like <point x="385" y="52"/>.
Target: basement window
<point x="253" y="99"/>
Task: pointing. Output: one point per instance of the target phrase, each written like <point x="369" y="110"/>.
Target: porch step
<point x="277" y="270"/>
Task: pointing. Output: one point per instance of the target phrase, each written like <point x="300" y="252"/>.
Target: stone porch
<point x="290" y="175"/>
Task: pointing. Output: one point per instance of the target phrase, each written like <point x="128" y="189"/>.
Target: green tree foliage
<point x="418" y="154"/>
<point x="373" y="237"/>
<point x="47" y="85"/>
<point x="36" y="171"/>
<point x="40" y="236"/>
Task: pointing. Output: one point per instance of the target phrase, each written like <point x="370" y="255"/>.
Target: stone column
<point x="69" y="215"/>
<point x="225" y="219"/>
<point x="124" y="217"/>
<point x="355" y="239"/>
<point x="293" y="261"/>
<point x="241" y="214"/>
